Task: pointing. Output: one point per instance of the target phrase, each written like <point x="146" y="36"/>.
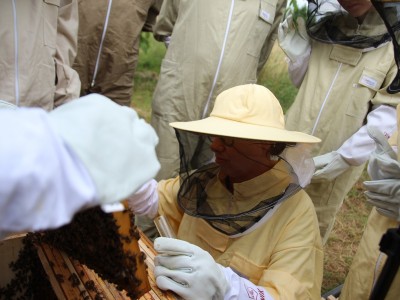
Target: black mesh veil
<point x="390" y="14"/>
<point x="194" y="151"/>
<point x="328" y="22"/>
<point x="194" y="200"/>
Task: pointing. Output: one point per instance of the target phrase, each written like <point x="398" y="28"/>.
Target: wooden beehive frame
<point x="69" y="278"/>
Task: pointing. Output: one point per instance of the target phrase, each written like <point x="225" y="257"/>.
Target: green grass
<point x="150" y="57"/>
<point x="346" y="234"/>
<point x="275" y="77"/>
<point x="351" y="219"/>
<point x="146" y="75"/>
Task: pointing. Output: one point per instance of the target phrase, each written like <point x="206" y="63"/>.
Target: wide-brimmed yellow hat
<point x="248" y="111"/>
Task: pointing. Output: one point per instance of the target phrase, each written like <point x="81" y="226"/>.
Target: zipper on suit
<point x="326" y="99"/>
<point x="103" y="36"/>
<point x="16" y="54"/>
<point x="228" y="25"/>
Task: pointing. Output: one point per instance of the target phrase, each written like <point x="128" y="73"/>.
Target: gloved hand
<point x="383" y="191"/>
<point x="116" y="147"/>
<point x="329" y="166"/>
<point x="293" y="38"/>
<point x="144" y="202"/>
<point x="188" y="270"/>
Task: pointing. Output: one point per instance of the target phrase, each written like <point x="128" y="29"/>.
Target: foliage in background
<point x="145" y="41"/>
<point x="146" y="75"/>
<point x="275" y="77"/>
<point x="151" y="56"/>
<point x="296" y="11"/>
<point x="351" y="219"/>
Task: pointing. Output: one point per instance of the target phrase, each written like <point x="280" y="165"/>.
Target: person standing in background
<point x="212" y="45"/>
<point x="245" y="228"/>
<point x="344" y="91"/>
<point x="39" y="42"/>
<point x="108" y="45"/>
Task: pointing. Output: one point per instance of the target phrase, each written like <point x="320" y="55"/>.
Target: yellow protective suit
<point x="283" y="254"/>
<point x="334" y="99"/>
<point x="38" y="48"/>
<point x="367" y="263"/>
<point x="108" y="45"/>
<point x="214" y="45"/>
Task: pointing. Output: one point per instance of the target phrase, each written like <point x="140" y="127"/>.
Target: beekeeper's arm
<point x="84" y="153"/>
<point x="295" y="43"/>
<point x="68" y="84"/>
<point x="43" y="182"/>
<point x="166" y="21"/>
<point x="356" y="150"/>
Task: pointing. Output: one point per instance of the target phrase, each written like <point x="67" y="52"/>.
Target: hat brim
<point x="225" y="127"/>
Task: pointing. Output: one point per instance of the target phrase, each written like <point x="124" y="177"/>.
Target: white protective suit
<point x="38" y="48"/>
<point x="50" y="171"/>
<point x="108" y="45"/>
<point x="214" y="45"/>
<point x="344" y="89"/>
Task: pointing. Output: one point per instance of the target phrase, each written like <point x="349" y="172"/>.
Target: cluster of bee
<point x="92" y="238"/>
<point x="30" y="279"/>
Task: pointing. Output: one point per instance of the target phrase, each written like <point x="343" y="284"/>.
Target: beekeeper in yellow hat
<point x="245" y="228"/>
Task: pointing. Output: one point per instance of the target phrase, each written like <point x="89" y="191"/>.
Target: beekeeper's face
<point x="356" y="8"/>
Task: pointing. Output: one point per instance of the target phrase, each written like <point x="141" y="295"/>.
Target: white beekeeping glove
<point x="328" y="166"/>
<point x="188" y="270"/>
<point x="293" y="38"/>
<point x="192" y="273"/>
<point x="116" y="147"/>
<point x="383" y="191"/>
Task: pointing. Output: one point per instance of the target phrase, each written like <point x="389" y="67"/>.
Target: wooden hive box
<point x="71" y="278"/>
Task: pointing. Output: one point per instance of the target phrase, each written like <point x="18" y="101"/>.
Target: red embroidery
<point x="254" y="294"/>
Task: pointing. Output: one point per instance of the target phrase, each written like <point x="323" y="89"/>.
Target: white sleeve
<point x="298" y="69"/>
<point x="357" y="149"/>
<point x="43" y="183"/>
<point x="243" y="289"/>
<point x="144" y="202"/>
